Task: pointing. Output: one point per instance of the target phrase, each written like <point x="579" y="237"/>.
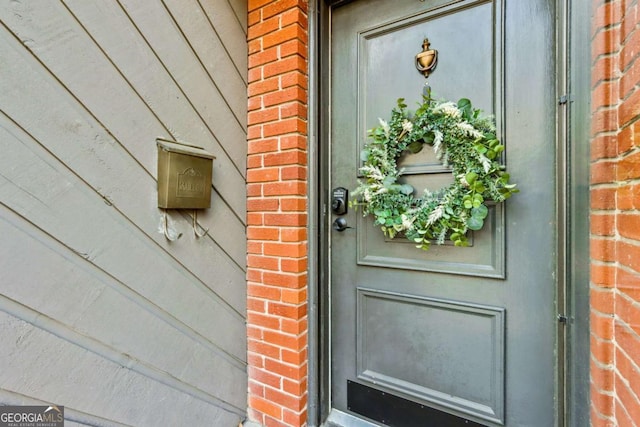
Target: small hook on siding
<point x="165" y="228"/>
<point x="195" y="226"/>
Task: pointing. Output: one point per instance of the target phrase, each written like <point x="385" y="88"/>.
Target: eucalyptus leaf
<point x="406" y="189"/>
<point x="471" y="177"/>
<point x="389" y="180"/>
<point x="415" y="147"/>
<point x="481" y="148"/>
<point x="464" y="104"/>
<point x="480" y="212"/>
<point x="364" y="155"/>
<point x="475" y="223"/>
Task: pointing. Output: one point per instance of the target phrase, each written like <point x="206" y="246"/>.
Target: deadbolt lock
<point x="339" y="200"/>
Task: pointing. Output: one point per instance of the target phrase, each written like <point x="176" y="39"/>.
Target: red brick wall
<point x="615" y="214"/>
<point x="277" y="216"/>
<point x="277" y="212"/>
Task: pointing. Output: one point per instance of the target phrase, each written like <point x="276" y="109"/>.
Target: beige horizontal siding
<point x="103" y="314"/>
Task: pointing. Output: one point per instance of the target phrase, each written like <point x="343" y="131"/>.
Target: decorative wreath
<point x="463" y="141"/>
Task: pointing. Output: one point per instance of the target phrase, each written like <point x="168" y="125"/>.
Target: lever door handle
<point x="340" y="224"/>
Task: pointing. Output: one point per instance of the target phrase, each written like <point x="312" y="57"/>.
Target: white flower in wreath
<point x="437" y="144"/>
<point x="468" y="129"/>
<point x="435" y="215"/>
<point x="407" y="126"/>
<point x="449" y="109"/>
<point x="486" y="163"/>
<point x="407" y="222"/>
<point x="372" y="172"/>
<point x="385" y="127"/>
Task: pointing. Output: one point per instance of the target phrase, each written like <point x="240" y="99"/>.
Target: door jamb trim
<point x="315" y="229"/>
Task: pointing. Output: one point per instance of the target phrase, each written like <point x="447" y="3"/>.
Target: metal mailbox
<point x="184" y="175"/>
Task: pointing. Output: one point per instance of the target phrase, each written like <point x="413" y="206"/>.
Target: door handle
<point x="340" y="224"/>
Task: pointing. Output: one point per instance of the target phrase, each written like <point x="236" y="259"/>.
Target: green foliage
<point x="464" y="141"/>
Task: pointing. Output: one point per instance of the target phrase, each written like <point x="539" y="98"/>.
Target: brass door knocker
<point x="426" y="60"/>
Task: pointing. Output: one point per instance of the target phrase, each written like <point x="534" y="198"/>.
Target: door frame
<point x="573" y="58"/>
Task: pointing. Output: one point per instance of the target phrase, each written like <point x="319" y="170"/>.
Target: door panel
<point x="468" y="331"/>
<point x="385" y="73"/>
<point x="390" y="322"/>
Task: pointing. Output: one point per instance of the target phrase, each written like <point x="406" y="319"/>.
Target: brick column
<point x="615" y="214"/>
<point x="277" y="212"/>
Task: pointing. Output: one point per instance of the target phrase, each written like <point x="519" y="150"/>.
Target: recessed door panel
<point x="431" y="338"/>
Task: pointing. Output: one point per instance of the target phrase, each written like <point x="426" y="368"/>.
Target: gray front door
<point x="451" y="335"/>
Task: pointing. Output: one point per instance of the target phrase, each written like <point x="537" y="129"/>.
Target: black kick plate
<point x="392" y="410"/>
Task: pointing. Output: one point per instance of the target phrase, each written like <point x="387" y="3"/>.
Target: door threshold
<point x="338" y="418"/>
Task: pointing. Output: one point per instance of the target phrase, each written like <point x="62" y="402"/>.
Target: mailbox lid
<point x="183" y="148"/>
